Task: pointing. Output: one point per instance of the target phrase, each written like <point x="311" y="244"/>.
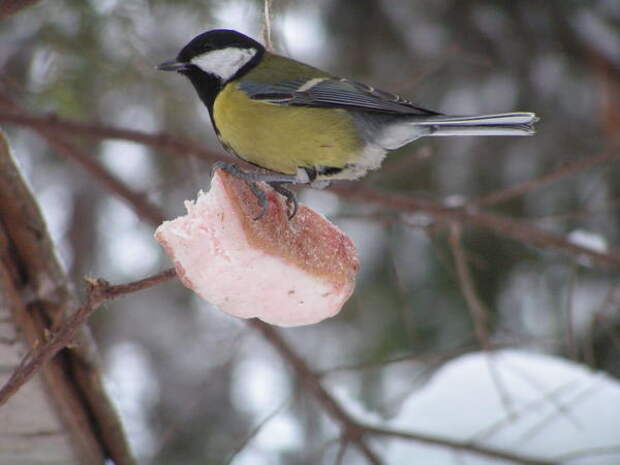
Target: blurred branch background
<point x="192" y="385"/>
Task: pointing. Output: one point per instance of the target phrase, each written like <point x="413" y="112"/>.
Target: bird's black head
<point x="222" y="53"/>
<point x="213" y="58"/>
<point x="216" y="39"/>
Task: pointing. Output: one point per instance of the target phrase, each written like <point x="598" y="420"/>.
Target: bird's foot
<point x="275" y="180"/>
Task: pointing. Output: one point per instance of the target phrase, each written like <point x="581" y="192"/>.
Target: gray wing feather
<point x="332" y="93"/>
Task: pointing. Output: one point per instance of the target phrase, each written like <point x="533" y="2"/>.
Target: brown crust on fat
<point x="308" y="241"/>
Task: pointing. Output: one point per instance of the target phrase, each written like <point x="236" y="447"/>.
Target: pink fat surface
<point x="285" y="272"/>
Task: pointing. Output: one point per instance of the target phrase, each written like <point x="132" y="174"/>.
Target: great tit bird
<point x="306" y="126"/>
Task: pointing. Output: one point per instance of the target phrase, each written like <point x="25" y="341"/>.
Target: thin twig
<point x="515" y="229"/>
<point x="135" y="200"/>
<point x="500" y="386"/>
<point x="99" y="292"/>
<point x="8" y="8"/>
<point x="456" y="445"/>
<point x="478" y="313"/>
<point x="610" y="298"/>
<point x="589" y="452"/>
<point x="532" y="406"/>
<point x="546" y="423"/>
<point x="430" y="358"/>
<point x="342" y="450"/>
<point x="350" y="428"/>
<point x="569" y="326"/>
<point x="254" y="432"/>
<point x="608" y="208"/>
<point x="525" y="187"/>
<point x="159" y="141"/>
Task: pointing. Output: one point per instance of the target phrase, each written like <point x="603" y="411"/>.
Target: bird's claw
<point x="291" y="200"/>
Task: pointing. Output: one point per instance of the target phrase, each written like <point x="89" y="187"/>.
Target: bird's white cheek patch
<point x="224" y="63"/>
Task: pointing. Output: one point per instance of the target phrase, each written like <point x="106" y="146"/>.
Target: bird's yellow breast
<point x="282" y="138"/>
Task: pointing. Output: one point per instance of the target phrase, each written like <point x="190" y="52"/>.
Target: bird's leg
<point x="260" y="196"/>
<point x="255" y="176"/>
<point x="275" y="180"/>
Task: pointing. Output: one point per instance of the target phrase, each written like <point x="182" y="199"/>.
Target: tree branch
<point x="515" y="229"/>
<point x="477" y="310"/>
<point x="518" y="230"/>
<point x="351" y="429"/>
<point x="137" y="201"/>
<point x="160" y="141"/>
<point x="11" y="7"/>
<point x="355" y="431"/>
<point x="525" y="187"/>
<point x="456" y="445"/>
<point x="99" y="292"/>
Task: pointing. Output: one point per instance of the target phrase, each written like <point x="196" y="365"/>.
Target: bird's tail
<point x="501" y="124"/>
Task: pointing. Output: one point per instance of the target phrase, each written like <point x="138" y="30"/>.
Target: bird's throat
<point x="207" y="86"/>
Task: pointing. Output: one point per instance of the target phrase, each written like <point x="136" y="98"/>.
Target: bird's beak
<point x="172" y="65"/>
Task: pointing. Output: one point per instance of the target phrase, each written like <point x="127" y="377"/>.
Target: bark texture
<point x="63" y="415"/>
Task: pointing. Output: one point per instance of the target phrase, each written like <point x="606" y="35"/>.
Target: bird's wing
<point x="332" y="93"/>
